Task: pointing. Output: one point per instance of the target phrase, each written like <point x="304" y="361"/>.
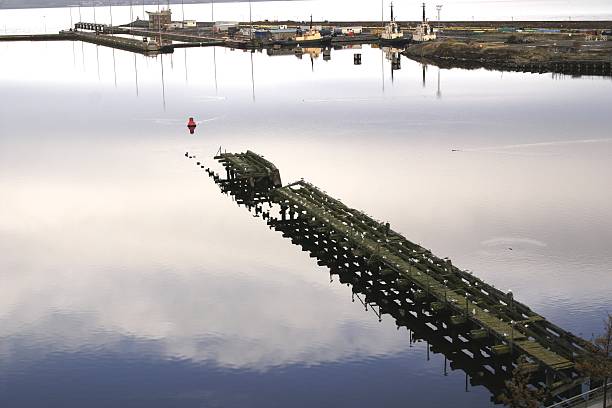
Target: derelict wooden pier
<point x="467" y="314"/>
<point x="447" y="288"/>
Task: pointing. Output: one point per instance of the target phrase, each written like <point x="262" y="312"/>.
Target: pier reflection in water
<point x="126" y="275"/>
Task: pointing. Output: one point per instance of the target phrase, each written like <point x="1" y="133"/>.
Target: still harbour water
<point x="127" y="279"/>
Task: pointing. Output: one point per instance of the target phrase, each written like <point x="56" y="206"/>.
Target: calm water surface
<point x="128" y="280"/>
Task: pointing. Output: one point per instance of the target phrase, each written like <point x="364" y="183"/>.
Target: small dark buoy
<point x="191" y="125"/>
<point x="511" y="249"/>
<point x="187" y="154"/>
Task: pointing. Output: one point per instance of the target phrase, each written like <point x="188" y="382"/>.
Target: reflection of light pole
<point x="163" y="81"/>
<point x="424" y="76"/>
<point x="439" y="93"/>
<point x="215" y="65"/>
<point x="45" y="23"/>
<point x="136" y="73"/>
<point x="382" y="67"/>
<point x="253" y="75"/>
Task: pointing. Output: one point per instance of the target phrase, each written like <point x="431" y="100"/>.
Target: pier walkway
<point x="107" y="40"/>
<point x="123" y="43"/>
<point x="36" y="37"/>
<point x="483" y="323"/>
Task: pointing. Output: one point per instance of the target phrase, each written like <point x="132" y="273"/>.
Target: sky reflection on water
<point x="127" y="279"/>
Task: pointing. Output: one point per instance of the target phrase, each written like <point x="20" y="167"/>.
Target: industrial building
<point x="286" y="34"/>
<point x="348" y="30"/>
<point x="159" y="19"/>
<point x="226" y="27"/>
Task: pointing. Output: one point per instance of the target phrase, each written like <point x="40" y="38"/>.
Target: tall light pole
<point x="94" y="11"/>
<point x="251" y="19"/>
<point x="439" y="8"/>
<point x="110" y="5"/>
<point x="159" y="33"/>
<point x="212" y="19"/>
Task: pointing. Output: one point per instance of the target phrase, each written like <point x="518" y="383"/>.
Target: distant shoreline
<point x="44" y="4"/>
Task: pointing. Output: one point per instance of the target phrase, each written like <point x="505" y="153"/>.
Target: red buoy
<point x="191" y="125"/>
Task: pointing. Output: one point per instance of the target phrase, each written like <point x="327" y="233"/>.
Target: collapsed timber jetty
<point x="479" y="328"/>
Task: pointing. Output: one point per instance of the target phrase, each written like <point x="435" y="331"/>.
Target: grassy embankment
<point x="520" y="53"/>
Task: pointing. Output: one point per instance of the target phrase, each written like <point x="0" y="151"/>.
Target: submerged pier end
<point x="481" y="329"/>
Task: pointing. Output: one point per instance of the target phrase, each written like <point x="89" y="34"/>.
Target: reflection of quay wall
<point x="573" y="68"/>
<point x="475" y="323"/>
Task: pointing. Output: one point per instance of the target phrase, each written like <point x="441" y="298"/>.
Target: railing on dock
<point x="585" y="400"/>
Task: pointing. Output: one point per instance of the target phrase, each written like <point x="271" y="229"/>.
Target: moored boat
<point x="424" y="31"/>
<point x="392" y="33"/>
